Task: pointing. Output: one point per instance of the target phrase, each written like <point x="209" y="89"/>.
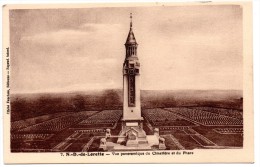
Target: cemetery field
<point x="75" y="121"/>
<point x="182" y="127"/>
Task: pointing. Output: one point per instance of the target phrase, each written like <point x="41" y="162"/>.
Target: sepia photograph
<point x="128" y="80"/>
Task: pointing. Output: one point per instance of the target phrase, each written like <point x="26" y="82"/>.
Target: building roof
<point x="131" y="37"/>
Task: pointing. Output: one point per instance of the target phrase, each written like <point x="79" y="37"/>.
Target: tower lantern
<point x="131" y="44"/>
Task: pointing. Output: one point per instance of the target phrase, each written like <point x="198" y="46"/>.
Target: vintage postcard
<point x="128" y="83"/>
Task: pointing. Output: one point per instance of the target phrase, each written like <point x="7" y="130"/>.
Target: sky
<point x="180" y="47"/>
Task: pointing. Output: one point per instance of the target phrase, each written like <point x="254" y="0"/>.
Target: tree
<point x="79" y="103"/>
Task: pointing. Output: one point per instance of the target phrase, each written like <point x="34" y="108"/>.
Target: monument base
<point x="133" y="137"/>
<point x="132" y="133"/>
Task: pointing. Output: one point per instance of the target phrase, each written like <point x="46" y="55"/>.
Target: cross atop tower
<point x="131" y="24"/>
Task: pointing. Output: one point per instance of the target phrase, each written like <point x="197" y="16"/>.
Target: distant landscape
<point x="31" y="105"/>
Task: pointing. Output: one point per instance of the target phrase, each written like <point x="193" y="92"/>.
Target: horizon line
<point x="75" y="91"/>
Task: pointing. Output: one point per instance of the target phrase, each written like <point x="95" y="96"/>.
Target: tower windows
<point x="131" y="50"/>
<point x="131" y="91"/>
<point x="131" y="65"/>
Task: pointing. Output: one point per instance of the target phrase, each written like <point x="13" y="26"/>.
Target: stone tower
<point x="131" y="79"/>
<point x="132" y="136"/>
<point x="132" y="120"/>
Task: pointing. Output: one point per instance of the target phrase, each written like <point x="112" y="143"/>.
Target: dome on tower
<point x="131" y="37"/>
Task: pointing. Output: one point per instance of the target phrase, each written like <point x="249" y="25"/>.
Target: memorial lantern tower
<point x="132" y="120"/>
<point x="132" y="136"/>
